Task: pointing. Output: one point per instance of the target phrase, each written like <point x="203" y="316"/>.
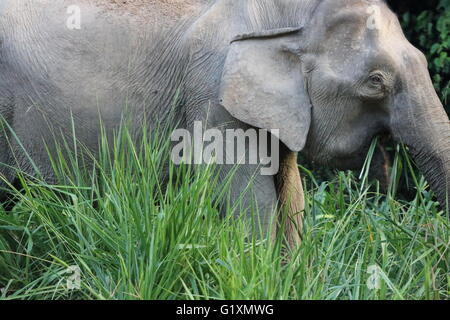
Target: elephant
<point x="324" y="77"/>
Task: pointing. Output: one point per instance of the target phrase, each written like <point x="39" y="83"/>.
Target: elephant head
<point x="332" y="84"/>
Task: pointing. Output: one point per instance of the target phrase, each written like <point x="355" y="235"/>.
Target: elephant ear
<point x="262" y="85"/>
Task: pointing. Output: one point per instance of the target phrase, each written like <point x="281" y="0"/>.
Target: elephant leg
<point x="252" y="197"/>
<point x="291" y="202"/>
<point x="7" y="173"/>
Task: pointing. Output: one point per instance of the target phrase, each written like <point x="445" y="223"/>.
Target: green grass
<point x="132" y="238"/>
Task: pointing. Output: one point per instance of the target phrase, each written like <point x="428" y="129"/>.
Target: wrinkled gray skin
<point x="329" y="83"/>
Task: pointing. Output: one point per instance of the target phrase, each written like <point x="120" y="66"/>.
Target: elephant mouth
<point x="355" y="160"/>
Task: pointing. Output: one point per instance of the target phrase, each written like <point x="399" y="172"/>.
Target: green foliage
<point x="429" y="30"/>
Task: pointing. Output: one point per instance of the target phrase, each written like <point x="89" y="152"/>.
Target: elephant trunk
<point x="420" y="122"/>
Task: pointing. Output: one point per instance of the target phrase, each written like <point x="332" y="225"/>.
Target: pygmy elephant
<point x="324" y="76"/>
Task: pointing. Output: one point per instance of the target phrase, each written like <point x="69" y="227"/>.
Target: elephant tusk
<point x="291" y="201"/>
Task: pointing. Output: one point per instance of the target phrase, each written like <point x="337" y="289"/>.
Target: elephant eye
<point x="376" y="86"/>
<point x="376" y="79"/>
